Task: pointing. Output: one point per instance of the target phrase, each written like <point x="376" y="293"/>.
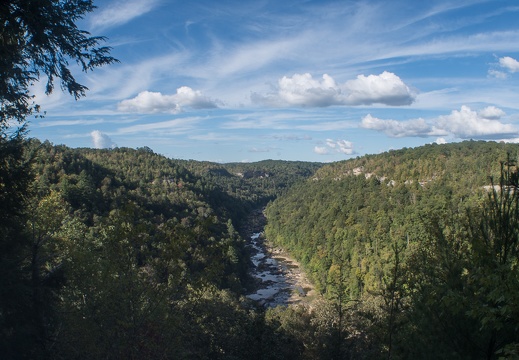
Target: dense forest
<point x="418" y="243"/>
<point x="127" y="254"/>
<point x="124" y="253"/>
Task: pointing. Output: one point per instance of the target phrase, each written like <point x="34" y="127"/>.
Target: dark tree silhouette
<point x="39" y="38"/>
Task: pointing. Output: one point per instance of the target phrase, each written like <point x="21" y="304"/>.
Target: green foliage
<point x="16" y="328"/>
<point x="432" y="265"/>
<point x="39" y="38"/>
<point x="125" y="254"/>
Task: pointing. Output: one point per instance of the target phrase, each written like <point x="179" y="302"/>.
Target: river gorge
<point x="279" y="279"/>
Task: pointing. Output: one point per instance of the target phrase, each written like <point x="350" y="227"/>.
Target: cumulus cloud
<point x="440" y="141"/>
<point x="303" y="90"/>
<point x="464" y="123"/>
<point x="491" y="112"/>
<point x="386" y="88"/>
<point x="509" y="64"/>
<point x="467" y="123"/>
<point x="335" y="146"/>
<point x="148" y="102"/>
<point x="393" y="128"/>
<point x="101" y="140"/>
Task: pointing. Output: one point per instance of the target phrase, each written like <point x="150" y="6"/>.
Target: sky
<point x="316" y="80"/>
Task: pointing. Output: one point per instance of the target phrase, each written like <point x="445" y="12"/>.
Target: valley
<point x="125" y="253"/>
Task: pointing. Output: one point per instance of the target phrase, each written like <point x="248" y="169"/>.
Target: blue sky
<point x="236" y="80"/>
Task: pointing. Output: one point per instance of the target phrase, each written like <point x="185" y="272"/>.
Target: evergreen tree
<point x="39" y="38"/>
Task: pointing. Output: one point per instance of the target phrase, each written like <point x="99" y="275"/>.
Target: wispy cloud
<point x="261" y="150"/>
<point x="215" y="137"/>
<point x="121" y="12"/>
<point x="176" y="126"/>
<point x="85" y="122"/>
<point x="123" y="80"/>
<point x="291" y="137"/>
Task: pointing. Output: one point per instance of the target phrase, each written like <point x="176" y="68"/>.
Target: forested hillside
<point x="124" y="253"/>
<point x="127" y="254"/>
<point x="416" y="240"/>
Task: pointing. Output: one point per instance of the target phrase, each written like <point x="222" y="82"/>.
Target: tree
<point x="40" y="38"/>
<point x="14" y="304"/>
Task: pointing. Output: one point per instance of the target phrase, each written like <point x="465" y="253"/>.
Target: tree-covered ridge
<point x="255" y="184"/>
<point x="417" y="247"/>
<point x="124" y="253"/>
<point x="465" y="163"/>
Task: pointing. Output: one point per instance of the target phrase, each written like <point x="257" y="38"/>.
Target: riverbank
<point x="278" y="278"/>
<point x="302" y="290"/>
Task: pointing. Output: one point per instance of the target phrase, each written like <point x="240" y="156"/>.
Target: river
<point x="279" y="279"/>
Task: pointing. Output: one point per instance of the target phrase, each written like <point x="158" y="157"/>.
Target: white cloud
<point x="492" y="113"/>
<point x="303" y="90"/>
<point x="394" y="128"/>
<point x="259" y="150"/>
<point x="464" y="123"/>
<point x="509" y="64"/>
<point x="291" y="137"/>
<point x="440" y="141"/>
<point x="335" y="146"/>
<point x="386" y="88"/>
<point x="497" y="74"/>
<point x="345" y="147"/>
<point x="321" y="150"/>
<point x="70" y="122"/>
<point x="101" y="140"/>
<point x="216" y="137"/>
<point x="148" y="102"/>
<point x="120" y="12"/>
<point x="175" y="126"/>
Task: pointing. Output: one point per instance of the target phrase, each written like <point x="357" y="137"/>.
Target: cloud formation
<point x="148" y="102"/>
<point x="492" y="113"/>
<point x="509" y="64"/>
<point x="121" y="12"/>
<point x="102" y="141"/>
<point x="303" y="90"/>
<point x="335" y="146"/>
<point x="398" y="129"/>
<point x="464" y="123"/>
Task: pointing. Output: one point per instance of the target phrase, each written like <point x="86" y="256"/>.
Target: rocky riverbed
<point x="279" y="279"/>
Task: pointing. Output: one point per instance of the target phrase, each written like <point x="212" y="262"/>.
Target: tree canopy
<point x="40" y="38"/>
